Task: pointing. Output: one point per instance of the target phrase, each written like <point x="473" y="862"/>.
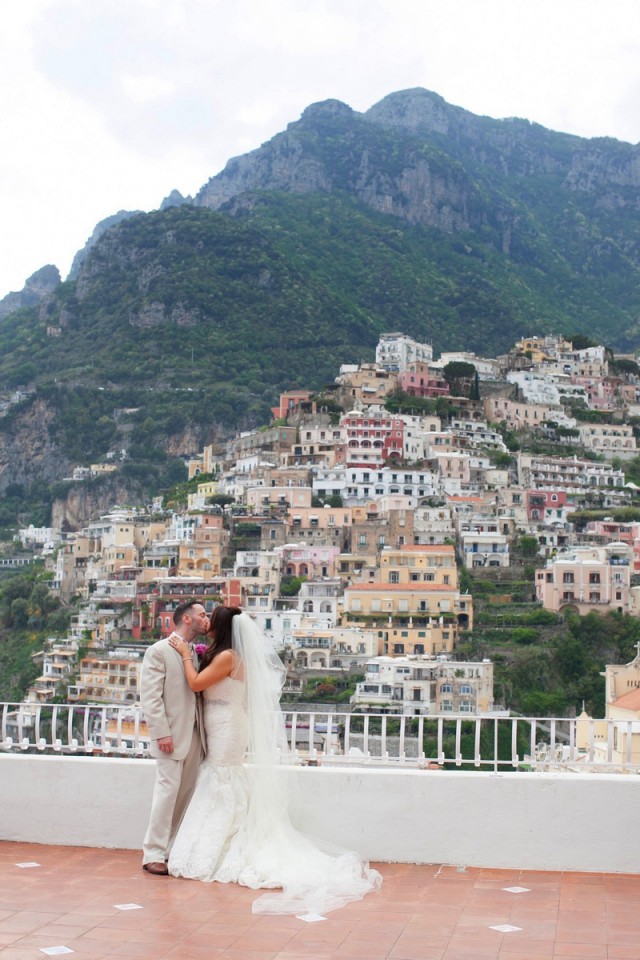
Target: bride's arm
<point x="218" y="669"/>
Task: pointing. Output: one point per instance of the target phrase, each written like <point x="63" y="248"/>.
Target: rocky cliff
<point x="39" y="285"/>
<point x="84" y="502"/>
<point x="463" y="231"/>
<point x="444" y="168"/>
<point x="334" y="149"/>
<point x="28" y="452"/>
<point x="98" y="231"/>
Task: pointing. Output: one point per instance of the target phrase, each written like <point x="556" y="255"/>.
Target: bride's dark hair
<point x="219" y="633"/>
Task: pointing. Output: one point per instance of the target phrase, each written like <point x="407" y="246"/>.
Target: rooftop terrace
<point x="99" y="904"/>
<point x="477" y="863"/>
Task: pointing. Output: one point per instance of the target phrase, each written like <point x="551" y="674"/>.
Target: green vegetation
<point x="544" y="664"/>
<point x="290" y="586"/>
<point x="28" y="613"/>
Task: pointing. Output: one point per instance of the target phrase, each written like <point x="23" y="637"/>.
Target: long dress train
<point x="236" y="830"/>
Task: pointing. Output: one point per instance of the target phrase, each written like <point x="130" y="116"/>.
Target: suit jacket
<point x="169" y="705"/>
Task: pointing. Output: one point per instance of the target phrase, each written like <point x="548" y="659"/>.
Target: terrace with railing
<point x="496" y="741"/>
<point x="497" y="837"/>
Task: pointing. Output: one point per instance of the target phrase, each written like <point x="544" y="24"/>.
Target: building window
<point x="568" y="578"/>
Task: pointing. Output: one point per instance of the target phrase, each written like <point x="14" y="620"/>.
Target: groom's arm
<point x="152" y="682"/>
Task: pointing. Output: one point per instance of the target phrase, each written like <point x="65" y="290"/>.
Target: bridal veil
<point x="315" y="877"/>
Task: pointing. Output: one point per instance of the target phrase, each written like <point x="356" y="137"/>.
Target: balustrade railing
<point x="447" y="740"/>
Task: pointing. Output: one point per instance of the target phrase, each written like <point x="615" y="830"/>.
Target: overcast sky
<point x="110" y="104"/>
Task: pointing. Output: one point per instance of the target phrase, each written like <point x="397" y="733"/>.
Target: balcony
<point x="445" y="890"/>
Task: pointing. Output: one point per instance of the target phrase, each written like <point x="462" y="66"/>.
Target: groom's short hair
<point x="181" y="609"/>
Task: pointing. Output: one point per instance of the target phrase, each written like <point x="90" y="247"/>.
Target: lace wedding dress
<point x="237" y="827"/>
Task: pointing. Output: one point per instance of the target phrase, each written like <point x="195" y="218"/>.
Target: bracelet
<point x="188" y="658"/>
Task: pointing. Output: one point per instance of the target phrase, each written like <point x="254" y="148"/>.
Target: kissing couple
<point x="220" y="802"/>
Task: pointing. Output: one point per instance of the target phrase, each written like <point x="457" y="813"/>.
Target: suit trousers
<point x="175" y="780"/>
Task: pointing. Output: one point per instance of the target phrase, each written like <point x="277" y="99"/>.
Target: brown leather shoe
<point x="157" y="869"/>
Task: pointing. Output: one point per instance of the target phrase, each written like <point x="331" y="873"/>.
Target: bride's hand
<point x="180" y="645"/>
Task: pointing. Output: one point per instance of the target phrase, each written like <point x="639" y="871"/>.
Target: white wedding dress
<point x="237" y="827"/>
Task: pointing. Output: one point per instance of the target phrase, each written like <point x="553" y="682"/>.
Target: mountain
<point x="416" y="215"/>
<point x="41" y="283"/>
<point x="98" y="231"/>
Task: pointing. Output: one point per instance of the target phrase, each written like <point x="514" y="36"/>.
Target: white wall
<point x="536" y="821"/>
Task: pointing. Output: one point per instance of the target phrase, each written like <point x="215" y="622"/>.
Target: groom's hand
<point x="165" y="744"/>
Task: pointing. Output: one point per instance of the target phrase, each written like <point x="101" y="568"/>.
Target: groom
<point x="177" y="737"/>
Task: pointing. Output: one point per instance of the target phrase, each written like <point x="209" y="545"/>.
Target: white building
<point x="483" y="545"/>
<point x="395" y="351"/>
<point x="365" y="484"/>
<point x="423" y="685"/>
<point x="487" y="369"/>
<point x="336" y="648"/>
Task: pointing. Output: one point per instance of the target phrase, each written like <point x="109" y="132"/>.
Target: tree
<point x="290" y="586"/>
<point x="580" y="341"/>
<point x="19" y="612"/>
<point x="529" y="546"/>
<point x="461" y="377"/>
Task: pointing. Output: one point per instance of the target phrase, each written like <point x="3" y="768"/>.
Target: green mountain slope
<point x="462" y="231"/>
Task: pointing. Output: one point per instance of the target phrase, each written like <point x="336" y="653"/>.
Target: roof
<point x="405" y="587"/>
<point x="421" y="548"/>
<point x="629" y="701"/>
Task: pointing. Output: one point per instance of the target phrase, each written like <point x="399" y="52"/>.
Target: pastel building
<point x="202" y="553"/>
<point x="425" y="685"/>
<point x="568" y="473"/>
<point x="423" y="380"/>
<point x="396" y="352"/>
<point x="609" y="439"/>
<point x="336" y="648"/>
<point x="107" y="678"/>
<point x="371" y="437"/>
<point x="307" y="560"/>
<point x="483" y="544"/>
<point x="365" y="385"/>
<point x="622" y="706"/>
<point x="416" y="588"/>
<point x="588" y="578"/>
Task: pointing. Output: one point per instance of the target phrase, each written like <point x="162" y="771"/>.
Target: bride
<point x="237" y="827"/>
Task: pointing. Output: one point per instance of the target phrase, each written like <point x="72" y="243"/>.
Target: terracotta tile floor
<point x="422" y="913"/>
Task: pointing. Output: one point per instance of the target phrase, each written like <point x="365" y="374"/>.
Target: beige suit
<point x="171" y="709"/>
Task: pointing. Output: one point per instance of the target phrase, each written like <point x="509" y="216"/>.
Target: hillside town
<point x="347" y="525"/>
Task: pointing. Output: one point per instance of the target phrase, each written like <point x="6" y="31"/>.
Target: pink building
<point x="419" y="380"/>
<point x="548" y="506"/>
<point x="290" y="402"/>
<point x="608" y="531"/>
<point x="587" y="578"/>
<point x="371" y="438"/>
<point x="302" y="560"/>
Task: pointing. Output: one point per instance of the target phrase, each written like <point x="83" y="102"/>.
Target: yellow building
<point x="106" y="680"/>
<point x="415" y="603"/>
<point x="203" y="552"/>
<point x="622" y="705"/>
